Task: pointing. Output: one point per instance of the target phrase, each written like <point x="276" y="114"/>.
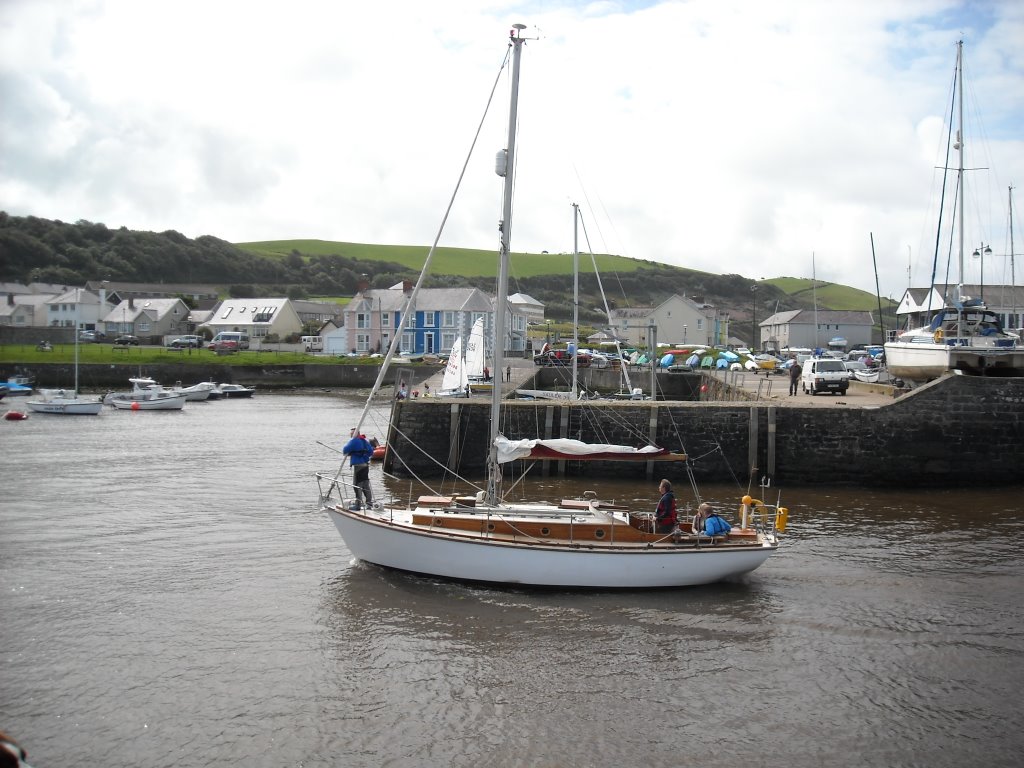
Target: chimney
<point x="10" y="299"/>
<point x="407" y="287"/>
<point x="131" y="302"/>
<point x="364" y="284"/>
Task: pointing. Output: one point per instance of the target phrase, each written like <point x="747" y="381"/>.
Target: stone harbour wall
<point x="957" y="431"/>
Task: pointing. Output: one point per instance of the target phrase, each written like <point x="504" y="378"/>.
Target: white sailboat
<point x="965" y="336"/>
<point x="454" y="382"/>
<point x="583" y="543"/>
<point x="63" y="402"/>
<point x="476" y="355"/>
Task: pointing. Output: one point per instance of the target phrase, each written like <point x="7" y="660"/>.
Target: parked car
<point x="186" y="341"/>
<point x="224" y="346"/>
<point x="127" y="339"/>
<point x="854" y="365"/>
<point x="92" y="337"/>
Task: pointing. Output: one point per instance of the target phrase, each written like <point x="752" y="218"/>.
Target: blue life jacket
<point x="716" y="526"/>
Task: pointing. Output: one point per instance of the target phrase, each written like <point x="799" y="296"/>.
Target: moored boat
<point x="160" y="400"/>
<point x="65" y="402"/>
<point x="235" y="391"/>
<point x="964" y="336"/>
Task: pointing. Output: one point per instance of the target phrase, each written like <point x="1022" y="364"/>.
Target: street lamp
<point x="684" y="334"/>
<point x="980" y="253"/>
<point x="753" y="316"/>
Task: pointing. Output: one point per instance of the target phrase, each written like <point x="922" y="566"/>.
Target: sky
<point x="764" y="138"/>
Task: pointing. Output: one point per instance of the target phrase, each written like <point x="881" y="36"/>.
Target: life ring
<point x="939" y="335"/>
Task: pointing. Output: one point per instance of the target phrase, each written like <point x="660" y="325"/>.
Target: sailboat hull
<point x="915" y="358"/>
<point x="66" y="406"/>
<point x="382" y="541"/>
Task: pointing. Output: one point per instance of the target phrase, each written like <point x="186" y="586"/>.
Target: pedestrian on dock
<point x="508" y="373"/>
<point x="795" y="371"/>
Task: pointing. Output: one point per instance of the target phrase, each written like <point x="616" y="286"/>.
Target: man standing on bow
<point x="359" y="451"/>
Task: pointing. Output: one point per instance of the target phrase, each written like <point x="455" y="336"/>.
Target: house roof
<point x="811" y="317"/>
<point x="522" y="298"/>
<point x="130" y="310"/>
<point x="75" y="296"/>
<point x="248" y="311"/>
<point x="430" y="299"/>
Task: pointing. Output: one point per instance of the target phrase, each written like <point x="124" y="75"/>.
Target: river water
<point x="172" y="597"/>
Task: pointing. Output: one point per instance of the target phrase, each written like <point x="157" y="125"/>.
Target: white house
<point x="257" y="317"/>
<point x="24" y="310"/>
<point x="75" y="308"/>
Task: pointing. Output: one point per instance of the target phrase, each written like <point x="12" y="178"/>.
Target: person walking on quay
<point x="508" y="373"/>
<point x="795" y="371"/>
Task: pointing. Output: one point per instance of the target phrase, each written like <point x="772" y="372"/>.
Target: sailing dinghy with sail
<point x="579" y="543"/>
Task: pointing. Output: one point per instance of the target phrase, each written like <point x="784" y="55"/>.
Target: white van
<point x="225" y="339"/>
<point x="313" y="343"/>
<point x="825" y="374"/>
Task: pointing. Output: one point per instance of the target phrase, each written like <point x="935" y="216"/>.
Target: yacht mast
<point x="501" y="301"/>
<point x="575" y="296"/>
<point x="960" y="173"/>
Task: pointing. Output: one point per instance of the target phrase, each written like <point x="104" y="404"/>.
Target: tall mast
<point x="505" y="226"/>
<point x="1013" y="277"/>
<point x="960" y="168"/>
<point x="575" y="295"/>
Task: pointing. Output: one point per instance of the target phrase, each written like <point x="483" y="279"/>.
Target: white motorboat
<point x="235" y="390"/>
<point x="197" y="392"/>
<point x="160" y="400"/>
<point x="583" y="543"/>
<point x="145" y="395"/>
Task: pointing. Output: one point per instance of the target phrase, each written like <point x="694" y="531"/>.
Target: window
<point x="429" y="319"/>
<point x="408" y="342"/>
<point x="448" y="320"/>
<point x="700" y="323"/>
<point x="362" y="342"/>
<point x="362" y="320"/>
<point x="385" y="320"/>
<point x="447" y="342"/>
<point x="227" y="312"/>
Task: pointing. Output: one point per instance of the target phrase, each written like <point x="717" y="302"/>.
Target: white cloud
<point x="732" y="137"/>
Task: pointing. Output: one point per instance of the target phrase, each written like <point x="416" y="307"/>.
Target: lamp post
<point x="684" y="334"/>
<point x="753" y="317"/>
<point x="980" y="253"/>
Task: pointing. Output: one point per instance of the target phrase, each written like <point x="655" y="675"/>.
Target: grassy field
<point x="829" y="295"/>
<point x="463" y="262"/>
<point x="27" y="354"/>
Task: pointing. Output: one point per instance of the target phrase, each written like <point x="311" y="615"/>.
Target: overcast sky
<point x="733" y="136"/>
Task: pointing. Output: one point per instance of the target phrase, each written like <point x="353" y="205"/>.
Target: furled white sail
<point x="563" y="448"/>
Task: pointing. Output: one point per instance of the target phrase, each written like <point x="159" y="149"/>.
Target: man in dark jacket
<point x="795" y="371"/>
<point x="359" y="451"/>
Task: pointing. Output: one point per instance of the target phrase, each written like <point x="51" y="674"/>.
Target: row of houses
<point x="369" y="322"/>
<point x="151" y="311"/>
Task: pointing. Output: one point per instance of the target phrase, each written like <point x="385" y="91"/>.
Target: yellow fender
<point x="781" y="518"/>
<point x="939" y="335"/>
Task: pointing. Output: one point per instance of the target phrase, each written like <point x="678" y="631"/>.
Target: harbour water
<point x="172" y="597"/>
